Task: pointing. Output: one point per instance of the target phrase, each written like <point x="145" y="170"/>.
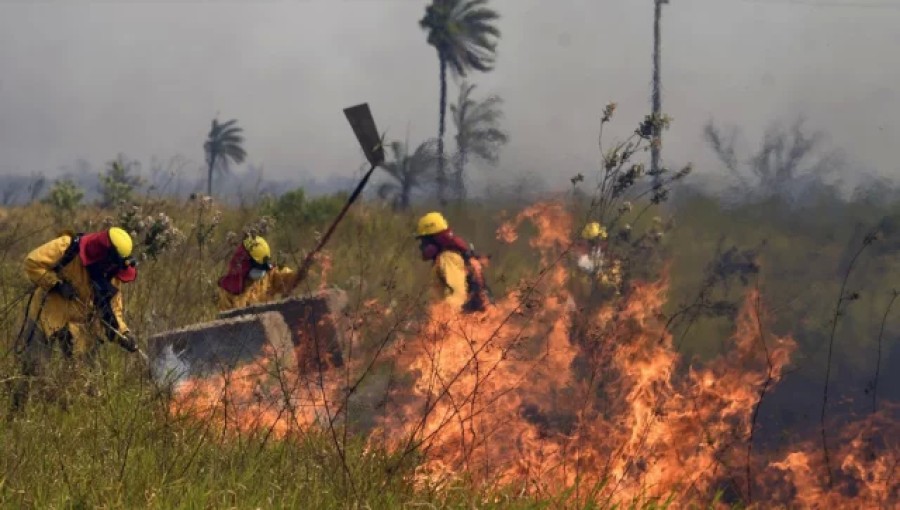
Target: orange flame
<point x="264" y="396"/>
<point x="518" y="395"/>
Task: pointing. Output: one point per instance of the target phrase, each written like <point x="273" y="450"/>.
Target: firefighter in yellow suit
<point x="458" y="276"/>
<point x="592" y="259"/>
<point x="77" y="302"/>
<point x="589" y="250"/>
<point x="449" y="271"/>
<point x="252" y="278"/>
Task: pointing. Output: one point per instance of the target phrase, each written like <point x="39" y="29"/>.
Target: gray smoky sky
<point x="90" y="80"/>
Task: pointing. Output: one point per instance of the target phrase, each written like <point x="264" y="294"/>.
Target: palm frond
<point x="477" y="124"/>
<point x="225" y="125"/>
<point x="230" y="140"/>
<point x="235" y="153"/>
<point x="229" y="131"/>
<point x="481" y="19"/>
<point x="464" y="103"/>
<point x="408" y="171"/>
<point x="485" y="113"/>
<point x="480" y="62"/>
<point x="412" y="168"/>
<point x="463" y="33"/>
<point x="423" y="160"/>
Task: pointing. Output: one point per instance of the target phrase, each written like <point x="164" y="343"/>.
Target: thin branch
<point x="762" y="393"/>
<point x="887" y="311"/>
<point x="868" y="240"/>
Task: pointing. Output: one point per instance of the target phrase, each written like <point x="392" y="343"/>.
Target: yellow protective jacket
<point x="449" y="271"/>
<point x="276" y="282"/>
<point x="55" y="312"/>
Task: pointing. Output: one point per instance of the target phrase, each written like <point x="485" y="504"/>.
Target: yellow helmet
<point x="121" y="241"/>
<point x="593" y="230"/>
<point x="258" y="249"/>
<point x="430" y="224"/>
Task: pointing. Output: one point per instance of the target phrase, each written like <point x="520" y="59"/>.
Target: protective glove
<point x="65" y="289"/>
<point x="128" y="342"/>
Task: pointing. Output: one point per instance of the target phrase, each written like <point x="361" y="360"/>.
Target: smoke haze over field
<point x="90" y="80"/>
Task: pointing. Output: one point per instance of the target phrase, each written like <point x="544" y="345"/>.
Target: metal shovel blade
<point x="363" y="125"/>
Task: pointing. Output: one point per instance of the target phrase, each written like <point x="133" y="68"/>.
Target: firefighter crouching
<point x="458" y="273"/>
<point x="76" y="303"/>
<point x="252" y="278"/>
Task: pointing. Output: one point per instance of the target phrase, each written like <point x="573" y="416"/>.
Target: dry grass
<point x="120" y="448"/>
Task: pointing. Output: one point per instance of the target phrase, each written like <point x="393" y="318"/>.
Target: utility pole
<point x="657" y="94"/>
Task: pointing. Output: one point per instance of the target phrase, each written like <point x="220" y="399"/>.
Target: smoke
<point x="146" y="79"/>
<point x="169" y="369"/>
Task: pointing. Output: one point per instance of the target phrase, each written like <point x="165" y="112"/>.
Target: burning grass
<point x="520" y="399"/>
<point x="259" y="396"/>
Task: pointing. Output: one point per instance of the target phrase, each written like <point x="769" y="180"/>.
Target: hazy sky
<point x="89" y="80"/>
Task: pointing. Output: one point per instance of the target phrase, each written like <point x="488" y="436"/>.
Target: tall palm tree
<point x="477" y="132"/>
<point x="409" y="171"/>
<point x="463" y="33"/>
<point x="223" y="145"/>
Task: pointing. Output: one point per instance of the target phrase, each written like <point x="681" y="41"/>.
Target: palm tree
<point x="464" y="36"/>
<point x="409" y="171"/>
<point x="477" y="132"/>
<point x="223" y="145"/>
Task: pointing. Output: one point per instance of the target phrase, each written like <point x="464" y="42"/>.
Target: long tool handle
<point x="115" y="331"/>
<point x="140" y="351"/>
<point x="303" y="271"/>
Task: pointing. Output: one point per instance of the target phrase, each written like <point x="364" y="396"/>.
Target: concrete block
<point x="215" y="347"/>
<point x="316" y="323"/>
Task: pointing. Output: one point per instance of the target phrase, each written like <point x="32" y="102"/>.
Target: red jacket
<point x="444" y="241"/>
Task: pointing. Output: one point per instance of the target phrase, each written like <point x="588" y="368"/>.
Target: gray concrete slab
<point x="305" y="333"/>
<point x="316" y="322"/>
<point x="218" y="346"/>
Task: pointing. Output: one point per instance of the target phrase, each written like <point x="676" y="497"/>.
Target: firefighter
<point x="591" y="259"/>
<point x="77" y="302"/>
<point x="590" y="250"/>
<point x="458" y="273"/>
<point x="252" y="278"/>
